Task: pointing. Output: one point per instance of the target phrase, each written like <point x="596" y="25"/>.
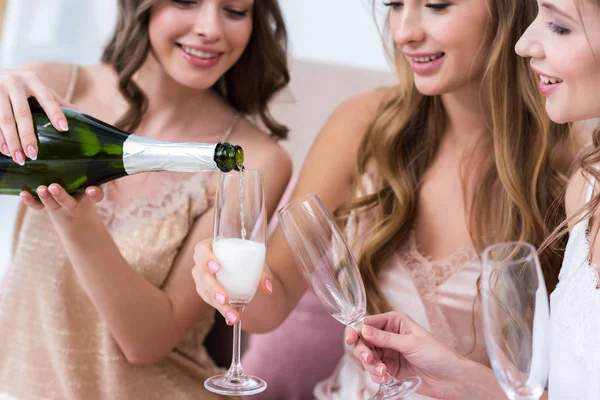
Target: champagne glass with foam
<point x="239" y="243"/>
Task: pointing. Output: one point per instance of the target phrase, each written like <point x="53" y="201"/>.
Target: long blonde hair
<point x="519" y="193"/>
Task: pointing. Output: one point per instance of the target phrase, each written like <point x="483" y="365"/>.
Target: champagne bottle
<point x="93" y="152"/>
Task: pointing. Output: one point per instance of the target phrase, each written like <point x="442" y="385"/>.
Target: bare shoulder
<point x="55" y="75"/>
<point x="263" y="153"/>
<point x="345" y="128"/>
<point x="354" y="114"/>
<point x="259" y="148"/>
<point x="577" y="189"/>
<point x="348" y="123"/>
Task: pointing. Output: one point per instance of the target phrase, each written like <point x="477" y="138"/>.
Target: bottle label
<point x="142" y="154"/>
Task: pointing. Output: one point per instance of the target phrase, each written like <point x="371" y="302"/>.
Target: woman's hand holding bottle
<point x="61" y="206"/>
<point x="18" y="140"/>
<point x="17" y="135"/>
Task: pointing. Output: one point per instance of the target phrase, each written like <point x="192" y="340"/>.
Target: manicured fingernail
<point x="92" y="192"/>
<point x="32" y="152"/>
<point x="380" y="370"/>
<point x="269" y="285"/>
<point x="53" y="190"/>
<point x="231" y="317"/>
<point x="213" y="267"/>
<point x="220" y="298"/>
<point x="42" y="192"/>
<point x="20" y="158"/>
<point x="5" y="149"/>
<point x="63" y="125"/>
<point x="364" y="356"/>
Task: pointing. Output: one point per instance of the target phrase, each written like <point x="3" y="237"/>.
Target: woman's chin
<point x="559" y="116"/>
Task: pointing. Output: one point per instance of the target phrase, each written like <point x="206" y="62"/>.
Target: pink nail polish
<point x="269" y="285"/>
<point x="213" y="267"/>
<point x="220" y="298"/>
<point x="5" y="149"/>
<point x="20" y="158"/>
<point x="53" y="190"/>
<point x="63" y="125"/>
<point x="231" y="317"/>
<point x="32" y="152"/>
<point x="364" y="356"/>
<point x="92" y="192"/>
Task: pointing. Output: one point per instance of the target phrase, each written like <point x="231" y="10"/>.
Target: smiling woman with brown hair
<point x="98" y="302"/>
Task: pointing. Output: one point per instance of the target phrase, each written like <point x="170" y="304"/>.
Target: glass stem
<point x="390" y="382"/>
<point x="235" y="370"/>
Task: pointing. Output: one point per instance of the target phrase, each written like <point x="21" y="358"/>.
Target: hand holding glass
<point x="331" y="272"/>
<point x="239" y="244"/>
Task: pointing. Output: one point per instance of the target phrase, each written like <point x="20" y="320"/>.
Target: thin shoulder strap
<point x="72" y="83"/>
<point x="230" y="129"/>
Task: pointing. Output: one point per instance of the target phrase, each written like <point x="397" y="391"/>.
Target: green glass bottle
<point x="93" y="152"/>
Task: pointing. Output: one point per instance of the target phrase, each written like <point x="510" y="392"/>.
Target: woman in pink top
<point x="424" y="175"/>
<point x="562" y="46"/>
<point x="98" y="302"/>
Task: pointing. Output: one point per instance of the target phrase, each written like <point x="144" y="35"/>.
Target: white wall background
<point x="336" y="31"/>
<point x="333" y="31"/>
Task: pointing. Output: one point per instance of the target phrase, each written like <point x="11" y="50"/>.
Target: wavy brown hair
<point x="248" y="86"/>
<point x="519" y="187"/>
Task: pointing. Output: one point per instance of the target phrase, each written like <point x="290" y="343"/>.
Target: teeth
<point x="427" y="59"/>
<point x="549" y="81"/>
<point x="199" y="53"/>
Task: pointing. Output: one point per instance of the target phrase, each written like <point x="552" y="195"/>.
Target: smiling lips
<point x="203" y="55"/>
<point x="201" y="58"/>
<point x="548" y="84"/>
<point x="425" y="63"/>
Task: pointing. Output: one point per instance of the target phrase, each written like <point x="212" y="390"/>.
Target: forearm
<point x="476" y="381"/>
<point x="138" y="314"/>
<point x="266" y="312"/>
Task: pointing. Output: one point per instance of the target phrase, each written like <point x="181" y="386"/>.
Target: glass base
<point x="243" y="386"/>
<point x="399" y="389"/>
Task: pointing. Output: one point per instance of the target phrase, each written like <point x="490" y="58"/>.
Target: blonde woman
<point x="563" y="45"/>
<point x="458" y="155"/>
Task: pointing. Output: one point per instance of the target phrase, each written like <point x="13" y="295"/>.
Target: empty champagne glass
<point x="516" y="318"/>
<point x="331" y="272"/>
<point x="239" y="243"/>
